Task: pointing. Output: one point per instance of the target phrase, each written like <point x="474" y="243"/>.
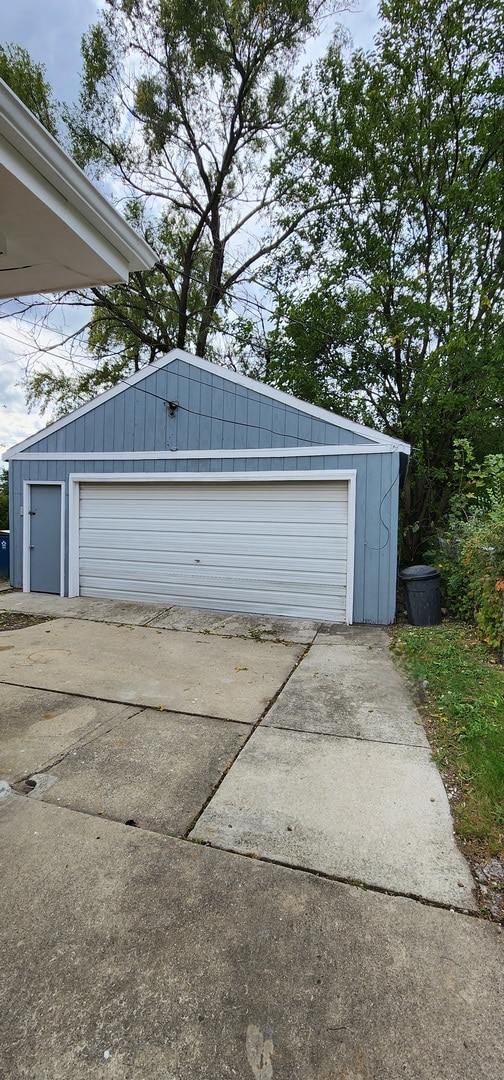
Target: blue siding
<point x="213" y="414"/>
<point x="377" y="491"/>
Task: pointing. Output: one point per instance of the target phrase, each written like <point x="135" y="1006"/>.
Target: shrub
<point x="470" y="554"/>
<point x="446" y="556"/>
<point x="482" y="554"/>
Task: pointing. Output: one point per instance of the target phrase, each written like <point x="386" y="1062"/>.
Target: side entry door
<point x="45" y="538"/>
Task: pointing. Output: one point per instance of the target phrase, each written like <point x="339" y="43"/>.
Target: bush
<point x="482" y="555"/>
<point x="470" y="554"/>
<point x="447" y="557"/>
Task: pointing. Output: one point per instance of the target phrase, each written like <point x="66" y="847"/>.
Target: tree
<point x="27" y="79"/>
<point x="391" y="306"/>
<point x="180" y="108"/>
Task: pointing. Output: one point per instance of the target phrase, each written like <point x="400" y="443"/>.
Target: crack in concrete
<point x="352" y="882"/>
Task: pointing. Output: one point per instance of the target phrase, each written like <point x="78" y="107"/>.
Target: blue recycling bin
<point x="4" y="554"/>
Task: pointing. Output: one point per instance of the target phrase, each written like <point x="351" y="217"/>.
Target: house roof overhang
<point x="57" y="232"/>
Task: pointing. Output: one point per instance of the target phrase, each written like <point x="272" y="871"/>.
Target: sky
<point x="51" y="31"/>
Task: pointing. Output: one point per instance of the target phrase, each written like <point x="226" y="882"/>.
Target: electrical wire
<point x="252" y="303"/>
<point x="241" y="299"/>
<point x="381" y="547"/>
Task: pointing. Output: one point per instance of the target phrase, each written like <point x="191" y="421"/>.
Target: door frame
<point x="27" y="494"/>
<point x="298" y="475"/>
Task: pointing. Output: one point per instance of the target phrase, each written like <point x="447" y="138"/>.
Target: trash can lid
<point x="418" y="573"/>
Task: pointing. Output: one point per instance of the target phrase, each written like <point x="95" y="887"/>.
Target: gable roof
<point x="57" y="231"/>
<point x="375" y="437"/>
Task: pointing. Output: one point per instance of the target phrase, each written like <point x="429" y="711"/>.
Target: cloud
<point x="18" y="353"/>
<point x="51" y="31"/>
<point x="363" y="23"/>
<point x="16" y="423"/>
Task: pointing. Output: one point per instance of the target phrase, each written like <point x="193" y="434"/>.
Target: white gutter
<point x="24" y="135"/>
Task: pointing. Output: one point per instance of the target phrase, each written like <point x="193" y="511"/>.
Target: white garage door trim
<point x="76" y="479"/>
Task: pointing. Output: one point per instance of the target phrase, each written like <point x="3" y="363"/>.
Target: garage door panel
<point x="148" y="547"/>
<point x="298" y="603"/>
<point x="212" y="576"/>
<point x="227" y="492"/>
<point x="150" y="563"/>
<point x="182" y="529"/>
<point x="230" y="599"/>
<point x="271" y="547"/>
<point x="232" y="518"/>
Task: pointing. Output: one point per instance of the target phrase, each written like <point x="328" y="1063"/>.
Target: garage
<point x="196" y="486"/>
<point x="275" y="547"/>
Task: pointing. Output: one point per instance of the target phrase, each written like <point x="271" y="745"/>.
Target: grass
<point x="461" y="695"/>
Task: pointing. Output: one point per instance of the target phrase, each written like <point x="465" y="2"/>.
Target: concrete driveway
<point x="226" y="852"/>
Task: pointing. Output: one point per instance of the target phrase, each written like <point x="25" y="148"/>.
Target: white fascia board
<point x="100" y="399"/>
<point x="46" y="166"/>
<point x="375" y="437"/>
<point x="283" y="398"/>
<point x="211" y="477"/>
<point x="64" y="208"/>
<point x="331" y="450"/>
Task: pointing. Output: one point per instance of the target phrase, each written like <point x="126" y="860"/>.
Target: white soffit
<point x="57" y="231"/>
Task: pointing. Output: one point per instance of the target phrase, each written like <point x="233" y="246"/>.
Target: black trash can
<point x="4" y="553"/>
<point x="423" y="598"/>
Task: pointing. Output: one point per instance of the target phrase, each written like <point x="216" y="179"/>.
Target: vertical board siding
<point x="216" y="414"/>
<point x="377" y="489"/>
<point x="213" y="414"/>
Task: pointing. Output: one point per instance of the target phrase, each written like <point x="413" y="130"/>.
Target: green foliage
<point x="391" y="293"/>
<point x="4" y="500"/>
<point x="479" y="485"/>
<point x="27" y="80"/>
<point x="483" y="555"/>
<point x="470" y="554"/>
<point x="181" y="105"/>
<point x="455" y="592"/>
<point x="54" y="387"/>
<point x="465" y="714"/>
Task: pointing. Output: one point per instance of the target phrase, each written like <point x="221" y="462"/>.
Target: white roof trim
<point x="25" y="137"/>
<point x="280" y="396"/>
<point x="327" y="450"/>
<point x="284" y="399"/>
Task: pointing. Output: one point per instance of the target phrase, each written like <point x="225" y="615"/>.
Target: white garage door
<point x="268" y="547"/>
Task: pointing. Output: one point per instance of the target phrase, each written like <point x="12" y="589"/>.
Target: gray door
<point x="45" y="538"/>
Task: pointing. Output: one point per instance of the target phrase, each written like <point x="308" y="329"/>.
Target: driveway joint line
<point x="254" y="727"/>
<point x="350" y="738"/>
<point x="102" y="729"/>
<point x="139" y="705"/>
<point x="355" y="883"/>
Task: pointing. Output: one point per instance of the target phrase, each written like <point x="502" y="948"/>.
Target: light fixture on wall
<point x="171" y="405"/>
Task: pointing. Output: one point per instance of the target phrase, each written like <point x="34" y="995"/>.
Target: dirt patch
<point x="16" y="620"/>
<point x="488" y="873"/>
